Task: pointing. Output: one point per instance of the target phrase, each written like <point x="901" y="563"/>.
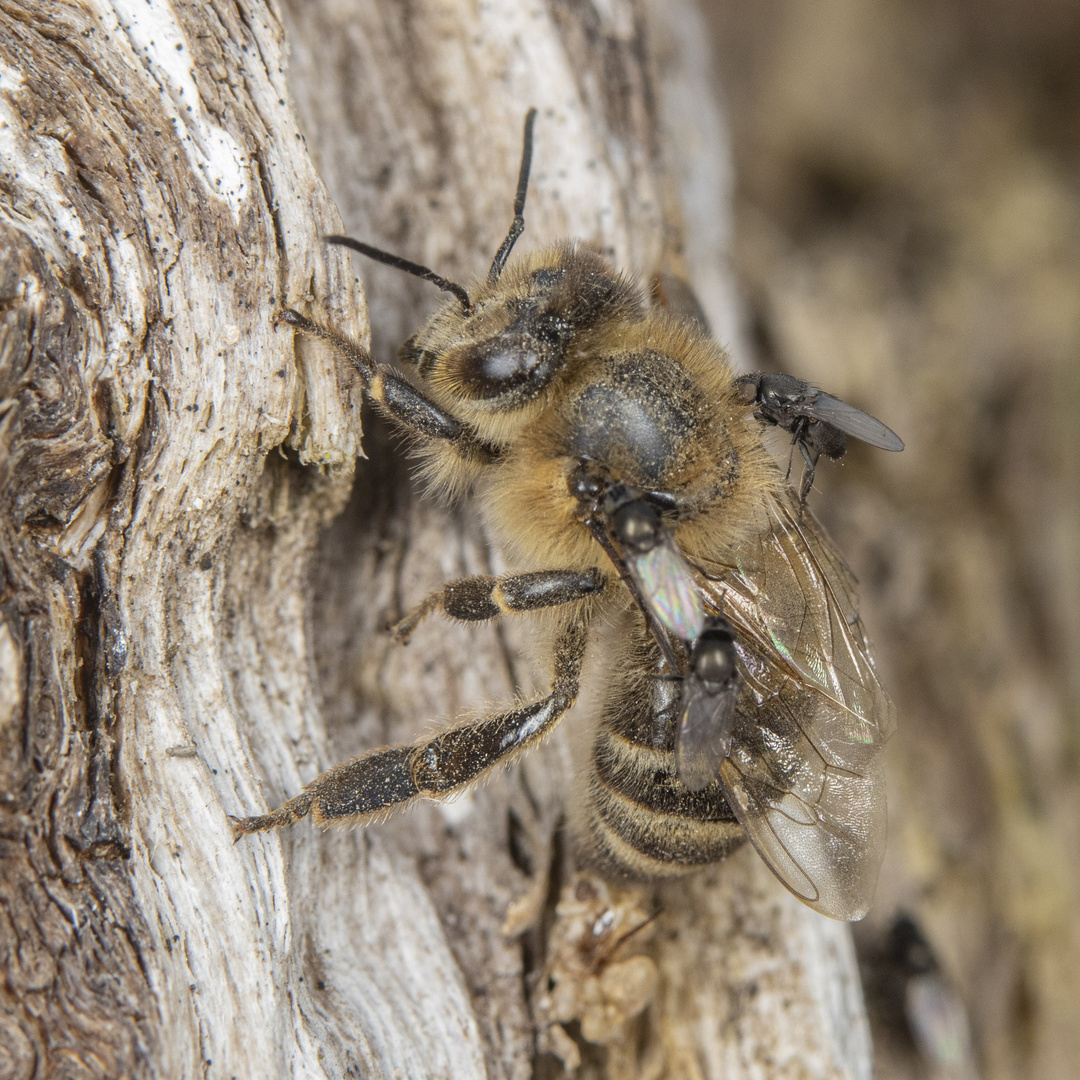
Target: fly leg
<point x="810" y="455"/>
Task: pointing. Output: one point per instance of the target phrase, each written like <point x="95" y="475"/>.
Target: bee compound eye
<point x="516" y="363"/>
<point x="637" y="526"/>
<point x="490" y="368"/>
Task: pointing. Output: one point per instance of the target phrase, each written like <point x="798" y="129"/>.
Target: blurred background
<point x="908" y="237"/>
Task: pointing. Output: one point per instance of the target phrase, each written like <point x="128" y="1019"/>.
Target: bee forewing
<point x="804" y="772"/>
<point x="704" y="735"/>
<point x="853" y="422"/>
<point x="827" y="852"/>
<point x="670" y="589"/>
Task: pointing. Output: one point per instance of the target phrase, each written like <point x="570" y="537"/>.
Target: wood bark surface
<point x="196" y="568"/>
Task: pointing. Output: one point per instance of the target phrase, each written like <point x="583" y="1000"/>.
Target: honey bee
<point x="616" y="459"/>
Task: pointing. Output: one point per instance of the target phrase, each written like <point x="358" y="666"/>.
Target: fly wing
<point x="704" y="734"/>
<point x="852" y="421"/>
<point x="804" y="774"/>
<point x="670" y="588"/>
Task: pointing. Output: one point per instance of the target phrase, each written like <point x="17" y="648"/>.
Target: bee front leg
<point x="378" y="783"/>
<point x="394" y="396"/>
<point x="479" y="598"/>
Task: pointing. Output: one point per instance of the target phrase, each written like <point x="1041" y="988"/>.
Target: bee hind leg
<point x="378" y="783"/>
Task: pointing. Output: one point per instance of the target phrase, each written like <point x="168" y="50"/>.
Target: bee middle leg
<point x="382" y="781"/>
<point x="479" y="598"/>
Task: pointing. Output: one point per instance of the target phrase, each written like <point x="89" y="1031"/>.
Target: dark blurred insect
<point x="908" y="991"/>
<point x="817" y="422"/>
<point x="618" y="463"/>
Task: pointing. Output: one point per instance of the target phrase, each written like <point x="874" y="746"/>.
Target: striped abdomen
<point x="642" y="821"/>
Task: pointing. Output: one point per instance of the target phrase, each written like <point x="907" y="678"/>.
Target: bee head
<point x="513" y="341"/>
<point x="498" y="345"/>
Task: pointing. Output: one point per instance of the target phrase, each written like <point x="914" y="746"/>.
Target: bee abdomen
<point x="642" y="821"/>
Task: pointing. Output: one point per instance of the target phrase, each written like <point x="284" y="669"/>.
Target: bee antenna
<point x="399" y="263"/>
<point x="517" y="226"/>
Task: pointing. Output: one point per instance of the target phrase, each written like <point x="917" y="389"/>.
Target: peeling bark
<point x="194" y="583"/>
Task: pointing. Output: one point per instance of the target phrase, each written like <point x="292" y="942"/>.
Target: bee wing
<point x="704" y="735"/>
<point x="804" y="772"/>
<point x="670" y="588"/>
<point x="852" y="421"/>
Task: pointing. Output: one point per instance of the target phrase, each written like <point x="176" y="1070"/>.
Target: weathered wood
<point x="194" y="585"/>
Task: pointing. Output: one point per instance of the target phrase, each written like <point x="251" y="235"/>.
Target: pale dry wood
<point x="181" y="626"/>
